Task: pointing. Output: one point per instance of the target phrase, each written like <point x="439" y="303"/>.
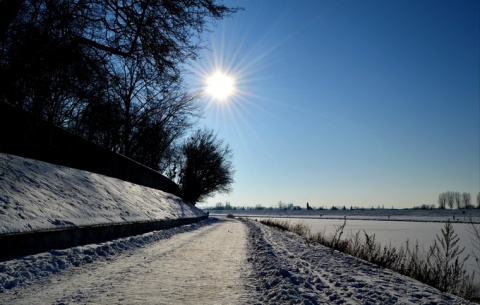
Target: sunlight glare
<point x="220" y="86"/>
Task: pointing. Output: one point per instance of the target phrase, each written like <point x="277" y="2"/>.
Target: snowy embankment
<point x="37" y="195"/>
<point x="290" y="271"/>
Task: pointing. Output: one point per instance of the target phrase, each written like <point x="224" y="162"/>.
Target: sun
<point x="220" y="86"/>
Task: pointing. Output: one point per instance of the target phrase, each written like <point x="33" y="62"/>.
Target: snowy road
<point x="203" y="266"/>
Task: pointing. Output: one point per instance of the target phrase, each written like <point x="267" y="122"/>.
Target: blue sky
<point x="356" y="103"/>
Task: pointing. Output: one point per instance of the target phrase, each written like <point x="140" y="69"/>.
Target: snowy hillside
<point x="36" y="195"/>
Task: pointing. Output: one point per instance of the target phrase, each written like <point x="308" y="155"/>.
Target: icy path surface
<point x="289" y="271"/>
<point x="203" y="266"/>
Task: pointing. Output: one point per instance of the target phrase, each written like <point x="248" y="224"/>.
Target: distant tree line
<point x="111" y="72"/>
<point x="424" y="207"/>
<point x="226" y="206"/>
<point x="457" y="200"/>
<point x="447" y="199"/>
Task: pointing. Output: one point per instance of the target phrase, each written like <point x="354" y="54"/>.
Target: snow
<point x="290" y="271"/>
<point x="28" y="269"/>
<point x="158" y="268"/>
<point x="409" y="215"/>
<point x="37" y="195"/>
<point x="215" y="261"/>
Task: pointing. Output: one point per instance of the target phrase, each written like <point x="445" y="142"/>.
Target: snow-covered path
<point x="203" y="266"/>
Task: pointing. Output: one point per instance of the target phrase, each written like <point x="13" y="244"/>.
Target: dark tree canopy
<point x="109" y="71"/>
<point x="206" y="166"/>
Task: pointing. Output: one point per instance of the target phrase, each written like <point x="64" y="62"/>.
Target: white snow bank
<point x="36" y="195"/>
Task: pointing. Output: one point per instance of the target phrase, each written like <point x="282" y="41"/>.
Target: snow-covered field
<point x="407" y="215"/>
<point x="216" y="261"/>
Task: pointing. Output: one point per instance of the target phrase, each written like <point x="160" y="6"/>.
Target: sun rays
<point x="231" y="78"/>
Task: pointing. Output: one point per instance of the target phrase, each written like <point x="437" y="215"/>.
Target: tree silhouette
<point x="442" y="201"/>
<point x="450" y="199"/>
<point x="467" y="200"/>
<point x="458" y="199"/>
<point x="205" y="167"/>
<point x="110" y="71"/>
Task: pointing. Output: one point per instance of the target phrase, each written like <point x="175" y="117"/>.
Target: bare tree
<point x="40" y="71"/>
<point x="442" y="201"/>
<point x="155" y="111"/>
<point x="164" y="33"/>
<point x="205" y="166"/>
<point x="72" y="62"/>
<point x="450" y="199"/>
<point x="8" y="10"/>
<point x="458" y="199"/>
<point x="467" y="200"/>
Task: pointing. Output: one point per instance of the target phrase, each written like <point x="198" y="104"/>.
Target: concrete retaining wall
<point x="21" y="244"/>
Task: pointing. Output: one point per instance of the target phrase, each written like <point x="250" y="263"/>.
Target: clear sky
<point x="356" y="103"/>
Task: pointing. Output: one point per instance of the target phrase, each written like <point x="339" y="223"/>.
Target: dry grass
<point x="441" y="266"/>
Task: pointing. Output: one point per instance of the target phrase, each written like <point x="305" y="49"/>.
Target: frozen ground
<point x="216" y="261"/>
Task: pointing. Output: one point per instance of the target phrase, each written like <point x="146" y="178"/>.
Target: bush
<point x="300" y="229"/>
<point x="448" y="268"/>
<point x="282" y="225"/>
